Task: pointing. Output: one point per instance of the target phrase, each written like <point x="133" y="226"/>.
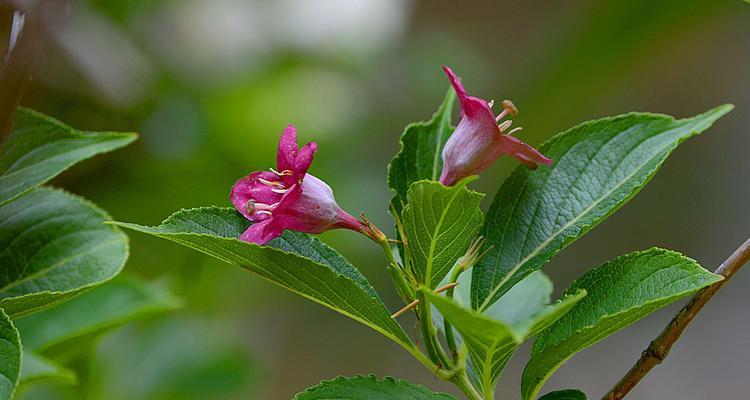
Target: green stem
<point x="429" y="335"/>
<point x="447" y="327"/>
<point x="397" y="274"/>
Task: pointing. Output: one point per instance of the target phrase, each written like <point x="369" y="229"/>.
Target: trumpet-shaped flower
<point x="481" y="138"/>
<point x="289" y="197"/>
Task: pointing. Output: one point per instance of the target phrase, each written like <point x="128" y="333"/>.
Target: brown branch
<point x="659" y="348"/>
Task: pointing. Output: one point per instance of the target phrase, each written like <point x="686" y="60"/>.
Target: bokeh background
<point x="210" y="85"/>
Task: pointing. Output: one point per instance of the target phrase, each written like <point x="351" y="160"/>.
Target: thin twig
<point x="659" y="348"/>
<point x="415" y="302"/>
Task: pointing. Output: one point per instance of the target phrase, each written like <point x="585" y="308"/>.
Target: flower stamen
<point x="505" y="125"/>
<point x="270" y="183"/>
<point x="508" y="109"/>
<point x="514" y="130"/>
<point x="285" y="172"/>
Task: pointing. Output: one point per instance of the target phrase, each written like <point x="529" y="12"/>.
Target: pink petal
<point x="523" y="152"/>
<point x="472" y="107"/>
<point x="262" y="232"/>
<point x="287" y="152"/>
<point x="250" y="187"/>
<point x="304" y="160"/>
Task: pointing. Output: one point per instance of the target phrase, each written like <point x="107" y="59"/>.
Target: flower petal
<point x="472" y="107"/>
<point x="251" y="188"/>
<point x="304" y="160"/>
<point x="262" y="232"/>
<point x="523" y="152"/>
<point x="287" y="152"/>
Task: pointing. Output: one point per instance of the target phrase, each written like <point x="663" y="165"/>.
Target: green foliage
<point x="296" y="261"/>
<point x="598" y="166"/>
<point x="61" y="329"/>
<point x="620" y="292"/>
<point x="369" y="388"/>
<point x="37" y="368"/>
<point x="440" y="223"/>
<point x="568" y="394"/>
<point x="492" y="342"/>
<point x="55" y="246"/>
<point x="10" y="357"/>
<point x="41" y="147"/>
<point x="420" y="156"/>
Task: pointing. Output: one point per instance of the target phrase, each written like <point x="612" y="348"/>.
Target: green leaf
<point x="420" y="156"/>
<point x="295" y="261"/>
<point x="522" y="301"/>
<point x="620" y="292"/>
<point x="37" y="368"/>
<point x="440" y="223"/>
<point x="54" y="246"/>
<point x="369" y="388"/>
<point x="61" y="328"/>
<point x="491" y="342"/>
<point x="10" y="357"/>
<point x="568" y="394"/>
<point x="598" y="166"/>
<point x="41" y="147"/>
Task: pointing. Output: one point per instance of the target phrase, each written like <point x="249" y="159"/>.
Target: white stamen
<point x="264" y="212"/>
<point x="501" y="115"/>
<point x="285" y="172"/>
<point x="505" y="125"/>
<point x="269" y="183"/>
<point x="514" y="130"/>
<point x="280" y="191"/>
<point x="492" y="103"/>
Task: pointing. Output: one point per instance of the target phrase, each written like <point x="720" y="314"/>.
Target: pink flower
<point x="289" y="197"/>
<point x="478" y="139"/>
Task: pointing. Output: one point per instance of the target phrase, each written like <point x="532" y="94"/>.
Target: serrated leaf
<point x="60" y="329"/>
<point x="598" y="166"/>
<point x="10" y="357"/>
<point x="567" y="394"/>
<point x="37" y="368"/>
<point x="369" y="388"/>
<point x="420" y="155"/>
<point x="620" y="292"/>
<point x="440" y="222"/>
<point x="295" y="261"/>
<point x="54" y="246"/>
<point x="491" y="342"/>
<point x="40" y="147"/>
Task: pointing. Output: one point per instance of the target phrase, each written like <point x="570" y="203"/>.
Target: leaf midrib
<point x="488" y="300"/>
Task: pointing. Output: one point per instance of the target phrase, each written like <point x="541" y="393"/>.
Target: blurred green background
<point x="210" y="85"/>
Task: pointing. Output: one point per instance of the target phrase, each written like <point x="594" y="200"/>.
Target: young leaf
<point x="568" y="394"/>
<point x="54" y="246"/>
<point x="36" y="368"/>
<point x="598" y="166"/>
<point x="295" y="261"/>
<point x="620" y="292"/>
<point x="41" y="147"/>
<point x="440" y="223"/>
<point x="420" y="156"/>
<point x="369" y="388"/>
<point x="10" y="357"/>
<point x="60" y="328"/>
<point x="491" y="342"/>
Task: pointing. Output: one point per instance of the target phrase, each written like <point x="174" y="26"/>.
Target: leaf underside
<point x="620" y="292"/>
<point x="37" y="368"/>
<point x="598" y="166"/>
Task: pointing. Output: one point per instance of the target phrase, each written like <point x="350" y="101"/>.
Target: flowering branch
<point x="659" y="348"/>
